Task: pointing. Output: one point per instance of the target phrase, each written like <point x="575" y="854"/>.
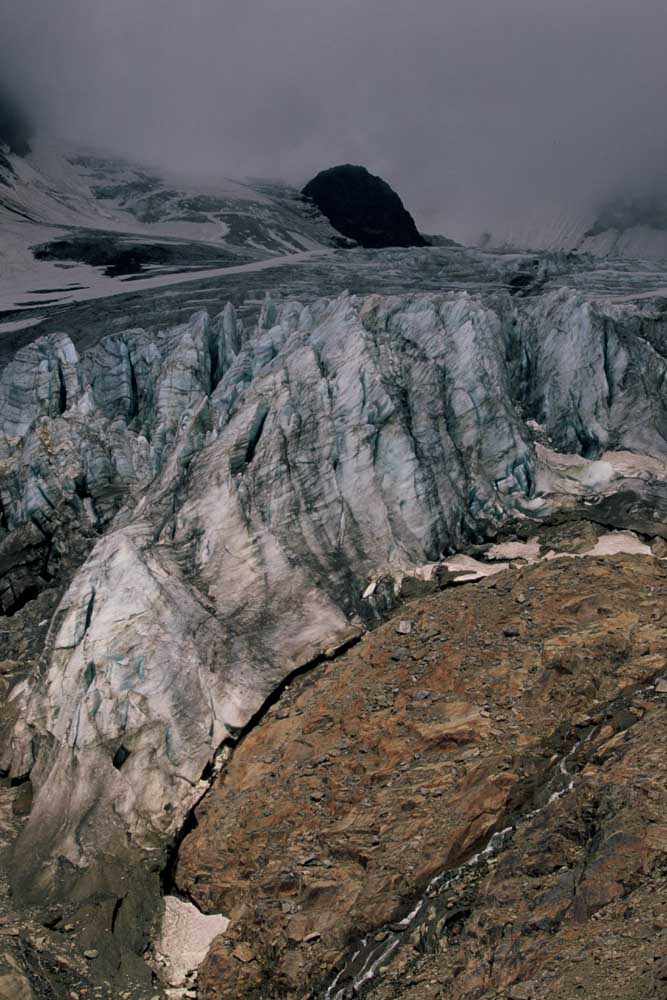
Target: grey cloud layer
<point x="472" y="108"/>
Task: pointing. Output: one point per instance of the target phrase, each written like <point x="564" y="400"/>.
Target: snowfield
<point x="114" y="210"/>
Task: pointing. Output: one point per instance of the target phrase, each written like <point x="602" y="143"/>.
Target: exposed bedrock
<point x="235" y="494"/>
<point x="15" y="128"/>
<point x="396" y="764"/>
<point x="363" y="207"/>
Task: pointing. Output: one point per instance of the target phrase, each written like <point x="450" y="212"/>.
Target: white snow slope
<point x="556" y="228"/>
<point x="178" y="228"/>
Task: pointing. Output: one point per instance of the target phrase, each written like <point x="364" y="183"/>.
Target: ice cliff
<point x="217" y="498"/>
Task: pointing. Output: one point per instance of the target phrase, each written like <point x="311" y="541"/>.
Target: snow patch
<point x="20" y="324"/>
<point x="572" y="475"/>
<point x="618" y="542"/>
<point x="470" y="569"/>
<point x="530" y="551"/>
<point x="185" y="938"/>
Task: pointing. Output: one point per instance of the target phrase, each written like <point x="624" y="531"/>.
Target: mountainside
<point x="633" y="227"/>
<point x="76" y="227"/>
<point x="470" y="803"/>
<point x="218" y="753"/>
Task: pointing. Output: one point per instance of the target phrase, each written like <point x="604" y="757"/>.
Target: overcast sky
<point x="475" y="110"/>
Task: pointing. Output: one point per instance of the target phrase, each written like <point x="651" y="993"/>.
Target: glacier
<point x="220" y="495"/>
<point x="211" y="480"/>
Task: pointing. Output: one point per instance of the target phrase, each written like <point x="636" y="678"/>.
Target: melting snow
<point x="471" y="569"/>
<point x="616" y="542"/>
<point x="530" y="551"/>
<point x="185" y="938"/>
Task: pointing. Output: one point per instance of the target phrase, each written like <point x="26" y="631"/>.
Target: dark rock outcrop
<point x="14" y="126"/>
<point x="363" y="207"/>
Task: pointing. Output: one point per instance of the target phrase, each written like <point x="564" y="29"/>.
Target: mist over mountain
<point x="485" y="118"/>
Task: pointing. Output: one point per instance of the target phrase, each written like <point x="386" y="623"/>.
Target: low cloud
<point x="477" y="111"/>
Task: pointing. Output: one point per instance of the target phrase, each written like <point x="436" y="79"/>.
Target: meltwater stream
<point x="371" y="954"/>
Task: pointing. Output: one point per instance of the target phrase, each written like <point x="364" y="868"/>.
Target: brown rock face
<point x="396" y="762"/>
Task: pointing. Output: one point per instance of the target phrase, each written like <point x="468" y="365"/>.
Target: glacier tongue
<point x="236" y="491"/>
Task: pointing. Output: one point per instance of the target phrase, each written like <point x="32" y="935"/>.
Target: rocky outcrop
<point x="14" y="127"/>
<point x="363" y="207"/>
<point x="228" y="505"/>
<point x="377" y="775"/>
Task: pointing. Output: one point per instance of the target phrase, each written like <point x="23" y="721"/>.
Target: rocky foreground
<point x="375" y="774"/>
<point x="469" y="802"/>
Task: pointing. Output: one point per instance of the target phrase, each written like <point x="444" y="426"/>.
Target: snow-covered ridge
<point x="55" y="186"/>
<point x="73" y="222"/>
<point x="634" y="231"/>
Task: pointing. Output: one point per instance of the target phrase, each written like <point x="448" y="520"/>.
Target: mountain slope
<point x="384" y="775"/>
<point x="75" y="225"/>
<point x="624" y="228"/>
